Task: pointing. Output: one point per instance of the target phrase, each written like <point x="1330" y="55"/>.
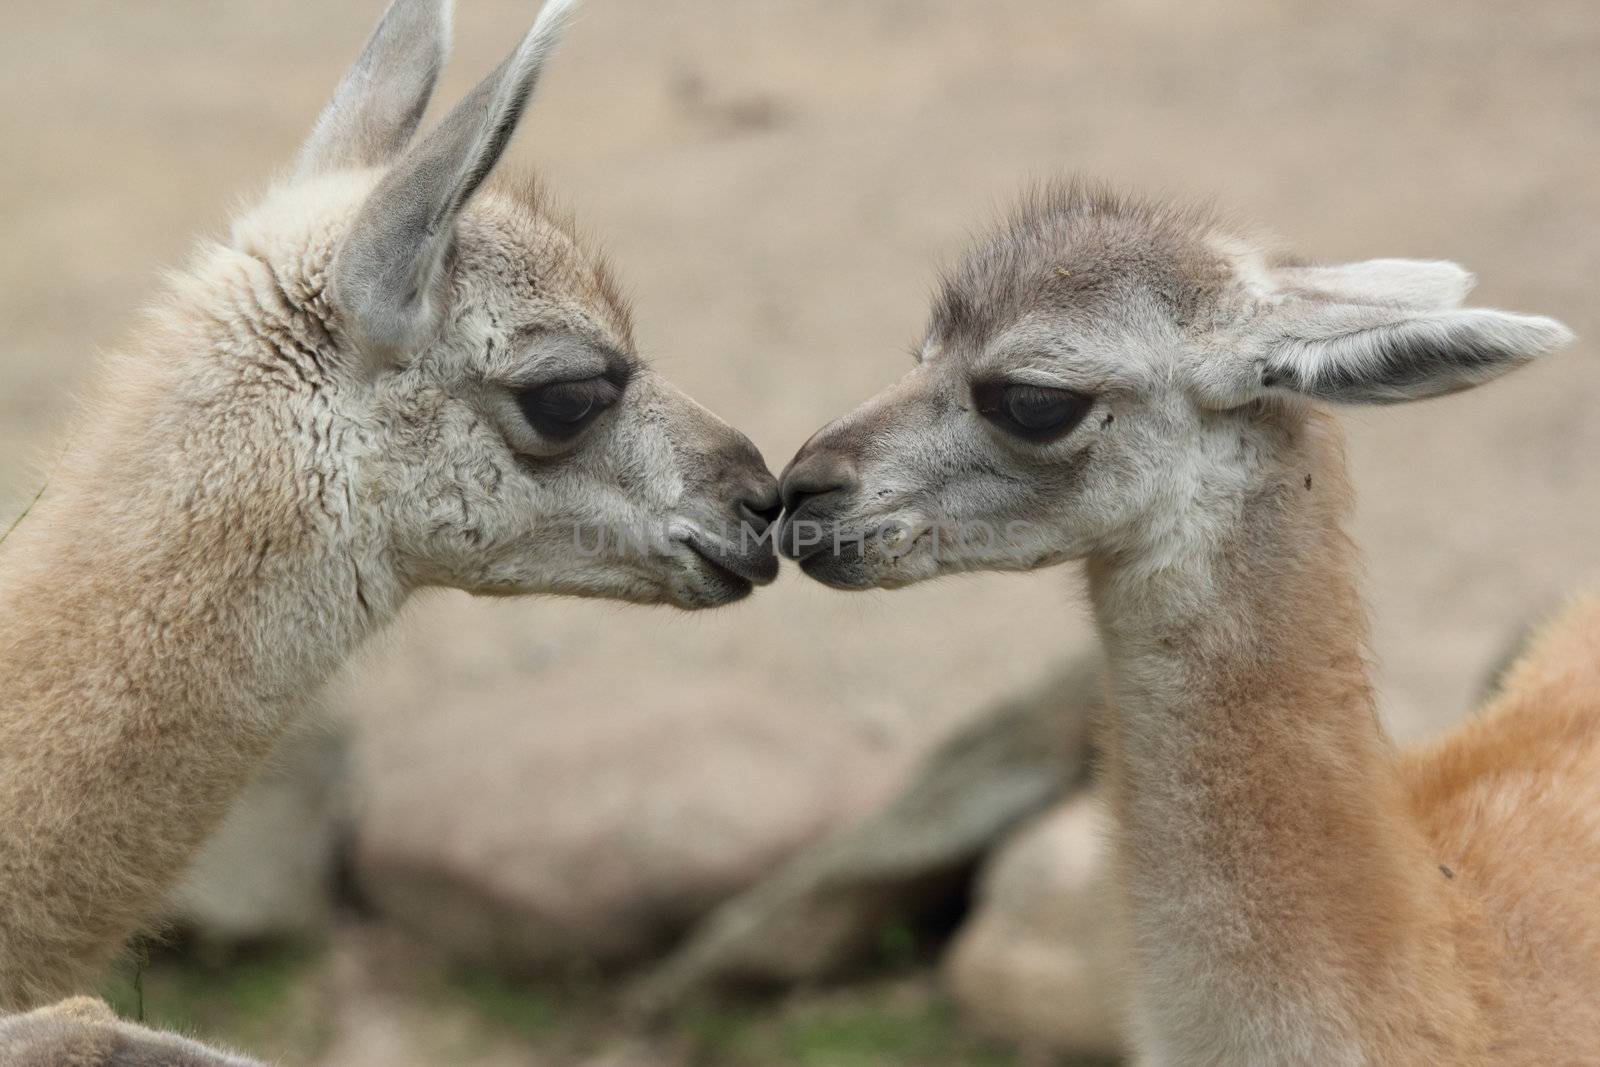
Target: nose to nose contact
<point x="761" y="505"/>
<point x="812" y="477"/>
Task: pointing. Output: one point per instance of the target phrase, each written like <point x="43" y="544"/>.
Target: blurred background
<point x="815" y="829"/>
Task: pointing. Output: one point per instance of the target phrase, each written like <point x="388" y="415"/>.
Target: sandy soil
<point x="777" y="179"/>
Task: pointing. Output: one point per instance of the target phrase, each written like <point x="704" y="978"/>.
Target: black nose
<point x="761" y="505"/>
<point x="813" y="477"/>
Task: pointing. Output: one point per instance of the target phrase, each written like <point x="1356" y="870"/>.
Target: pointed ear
<point x="388" y="272"/>
<point x="381" y="99"/>
<point x="1359" y="354"/>
<point x="1428" y="285"/>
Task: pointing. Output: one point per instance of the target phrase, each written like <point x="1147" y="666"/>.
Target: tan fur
<point x="1426" y="907"/>
<point x="1294" y="889"/>
<point x="1511" y="803"/>
<point x="256" y="487"/>
<point x="83" y="1032"/>
<point x="144" y="670"/>
<point x="1262" y="826"/>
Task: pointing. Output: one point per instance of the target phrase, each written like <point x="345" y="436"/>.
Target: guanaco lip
<point x="843" y="568"/>
<point x="753" y="568"/>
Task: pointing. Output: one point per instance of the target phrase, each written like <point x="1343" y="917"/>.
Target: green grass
<point x="272" y="1002"/>
<point x="877" y="1037"/>
<point x="18" y="520"/>
<point x="900" y="1024"/>
<point x="899" y="946"/>
<point x="867" y="1028"/>
<point x="255" y="1000"/>
<point x="518" y="1009"/>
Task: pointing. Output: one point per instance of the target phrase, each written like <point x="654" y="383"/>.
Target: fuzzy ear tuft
<point x="381" y="99"/>
<point x="388" y="272"/>
<point x="1427" y="285"/>
<point x="1358" y="354"/>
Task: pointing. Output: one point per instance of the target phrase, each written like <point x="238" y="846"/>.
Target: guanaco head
<point x="475" y="359"/>
<point x="1099" y="372"/>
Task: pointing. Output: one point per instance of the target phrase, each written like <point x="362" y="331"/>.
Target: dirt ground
<point x="777" y="179"/>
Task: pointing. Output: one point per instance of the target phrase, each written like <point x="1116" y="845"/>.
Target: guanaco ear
<point x="381" y="99"/>
<point x="388" y="271"/>
<point x="1428" y="285"/>
<point x="1364" y="354"/>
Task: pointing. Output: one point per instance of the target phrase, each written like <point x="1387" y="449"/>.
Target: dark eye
<point x="1032" y="412"/>
<point x="562" y="410"/>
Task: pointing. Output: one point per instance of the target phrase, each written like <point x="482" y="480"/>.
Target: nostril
<point x="796" y="497"/>
<point x="811" y="481"/>
<point x="761" y="513"/>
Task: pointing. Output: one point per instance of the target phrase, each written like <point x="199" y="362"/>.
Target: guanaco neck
<point x="1282" y="905"/>
<point x="192" y="573"/>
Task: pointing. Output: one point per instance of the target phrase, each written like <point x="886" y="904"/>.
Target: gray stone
<point x="825" y="909"/>
<point x="268" y="870"/>
<point x="591" y="839"/>
<point x="1036" y="961"/>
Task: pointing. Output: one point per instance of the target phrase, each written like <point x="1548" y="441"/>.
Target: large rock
<point x="268" y="870"/>
<point x="827" y="907"/>
<point x="1037" y="960"/>
<point x="507" y="835"/>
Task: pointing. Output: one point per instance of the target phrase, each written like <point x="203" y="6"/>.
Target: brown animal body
<point x="1143" y="389"/>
